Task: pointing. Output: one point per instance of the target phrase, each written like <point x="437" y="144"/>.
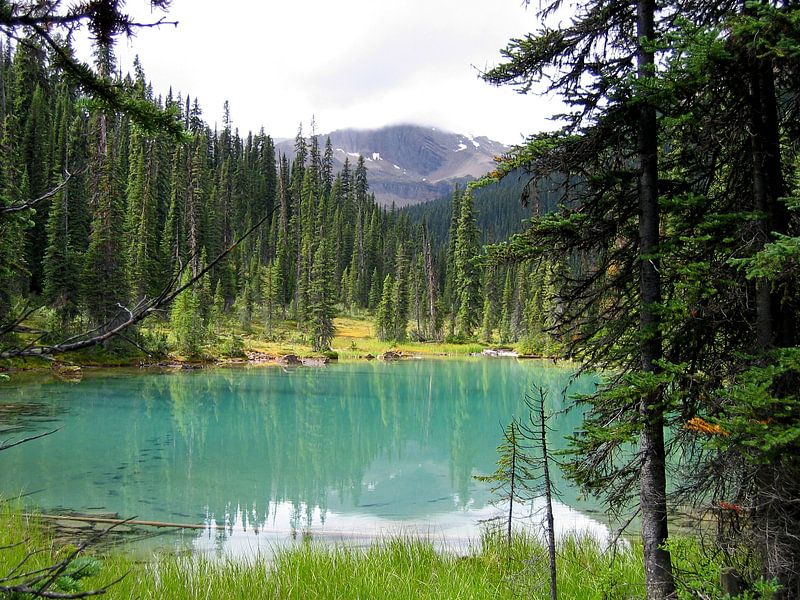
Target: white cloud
<point x="353" y="63"/>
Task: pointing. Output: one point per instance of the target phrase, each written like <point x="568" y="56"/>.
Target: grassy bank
<point x="394" y="569"/>
<point x="152" y="343"/>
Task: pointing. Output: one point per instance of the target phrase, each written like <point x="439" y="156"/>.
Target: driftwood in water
<point x="110" y="521"/>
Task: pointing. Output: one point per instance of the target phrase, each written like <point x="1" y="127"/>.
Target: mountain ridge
<point x="408" y="164"/>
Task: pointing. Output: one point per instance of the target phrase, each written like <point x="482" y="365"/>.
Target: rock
<point x="289" y="360"/>
<point x="390" y="355"/>
<point x="315" y="361"/>
<point x="370" y="357"/>
<point x="67" y="372"/>
<point x="500" y="352"/>
<point x="258" y="357"/>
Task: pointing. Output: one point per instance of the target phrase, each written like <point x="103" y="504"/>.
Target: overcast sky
<point x="350" y="63"/>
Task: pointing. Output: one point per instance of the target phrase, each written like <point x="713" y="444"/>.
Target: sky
<point x="350" y="63"/>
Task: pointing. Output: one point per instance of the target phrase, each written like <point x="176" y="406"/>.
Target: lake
<point x="346" y="452"/>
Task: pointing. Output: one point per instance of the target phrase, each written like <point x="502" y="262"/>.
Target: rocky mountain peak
<point x="408" y="164"/>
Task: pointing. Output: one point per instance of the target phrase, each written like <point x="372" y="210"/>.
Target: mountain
<point x="408" y="164"/>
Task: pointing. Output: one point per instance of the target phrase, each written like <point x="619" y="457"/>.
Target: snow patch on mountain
<point x="408" y="164"/>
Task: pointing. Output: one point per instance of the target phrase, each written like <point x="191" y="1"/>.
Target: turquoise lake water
<point x="345" y="452"/>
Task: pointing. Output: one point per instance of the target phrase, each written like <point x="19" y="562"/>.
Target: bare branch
<point x="14" y="208"/>
<point x="27" y="312"/>
<point x="7" y="445"/>
<point x="139" y="312"/>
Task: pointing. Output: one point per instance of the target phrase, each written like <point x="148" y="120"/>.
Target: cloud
<point x="350" y="63"/>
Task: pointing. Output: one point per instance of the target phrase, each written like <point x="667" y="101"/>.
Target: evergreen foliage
<point x="466" y="272"/>
<point x="186" y="320"/>
<point x="670" y="258"/>
<point x="121" y="207"/>
<point x="321" y="300"/>
<point x="385" y="313"/>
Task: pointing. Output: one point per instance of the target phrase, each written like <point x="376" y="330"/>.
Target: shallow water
<point x="346" y="452"/>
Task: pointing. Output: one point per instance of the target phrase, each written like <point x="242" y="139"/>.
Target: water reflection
<point x="358" y="449"/>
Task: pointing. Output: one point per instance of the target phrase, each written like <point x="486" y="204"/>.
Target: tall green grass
<point x="392" y="569"/>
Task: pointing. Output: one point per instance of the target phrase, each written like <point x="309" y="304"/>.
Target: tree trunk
<point x="548" y="492"/>
<point x="775" y="325"/>
<point x="512" y="484"/>
<point x="657" y="565"/>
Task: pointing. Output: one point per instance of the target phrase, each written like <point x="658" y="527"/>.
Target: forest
<point x="164" y="206"/>
<point x="661" y="248"/>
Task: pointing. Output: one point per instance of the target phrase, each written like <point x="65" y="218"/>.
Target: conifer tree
<point x="486" y="320"/>
<point x="104" y="281"/>
<point x="186" y="321"/>
<point x="385" y="313"/>
<point x="216" y="318"/>
<point x="505" y="309"/>
<point x="66" y="232"/>
<point x="12" y="228"/>
<point x="172" y="244"/>
<point x="400" y="304"/>
<point x="467" y="274"/>
<point x="321" y="301"/>
<point x="141" y="239"/>
<point x="374" y="291"/>
<point x="327" y="168"/>
<point x="450" y="296"/>
<point x="271" y="295"/>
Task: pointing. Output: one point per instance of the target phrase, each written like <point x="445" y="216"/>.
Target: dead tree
<point x="523" y="472"/>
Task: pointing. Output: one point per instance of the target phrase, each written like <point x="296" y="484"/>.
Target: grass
<point x="394" y="569"/>
<point x="354" y="339"/>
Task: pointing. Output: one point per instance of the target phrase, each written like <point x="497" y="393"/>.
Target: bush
<point x="155" y="342"/>
<point x="232" y="347"/>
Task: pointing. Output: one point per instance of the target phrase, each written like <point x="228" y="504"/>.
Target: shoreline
<point x="61" y="367"/>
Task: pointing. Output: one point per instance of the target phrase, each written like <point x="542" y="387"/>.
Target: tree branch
<point x="14" y="208"/>
<point x="138" y="313"/>
<point x="7" y="445"/>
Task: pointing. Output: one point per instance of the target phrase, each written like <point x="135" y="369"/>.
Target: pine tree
<point x="450" y="295"/>
<point x="172" y="244"/>
<point x="487" y="320"/>
<point x="385" y="313"/>
<point x="141" y="235"/>
<point x="400" y="299"/>
<point x="321" y="301"/>
<point x="374" y="291"/>
<point x="65" y="229"/>
<point x="467" y="273"/>
<point x="104" y="281"/>
<point x="505" y="309"/>
<point x="271" y="295"/>
<point x="216" y="317"/>
<point x="186" y="321"/>
<point x="12" y="228"/>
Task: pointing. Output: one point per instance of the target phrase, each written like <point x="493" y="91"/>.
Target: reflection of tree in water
<point x="368" y="438"/>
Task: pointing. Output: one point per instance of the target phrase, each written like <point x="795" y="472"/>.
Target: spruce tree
<point x="141" y="235"/>
<point x="506" y="309"/>
<point x="321" y="301"/>
<point x="467" y="273"/>
<point x="385" y="313"/>
<point x="271" y="295"/>
<point x="66" y="231"/>
<point x="186" y="321"/>
<point x="104" y="282"/>
<point x="374" y="291"/>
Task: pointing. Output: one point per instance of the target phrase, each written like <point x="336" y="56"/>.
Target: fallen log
<point x="109" y="521"/>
